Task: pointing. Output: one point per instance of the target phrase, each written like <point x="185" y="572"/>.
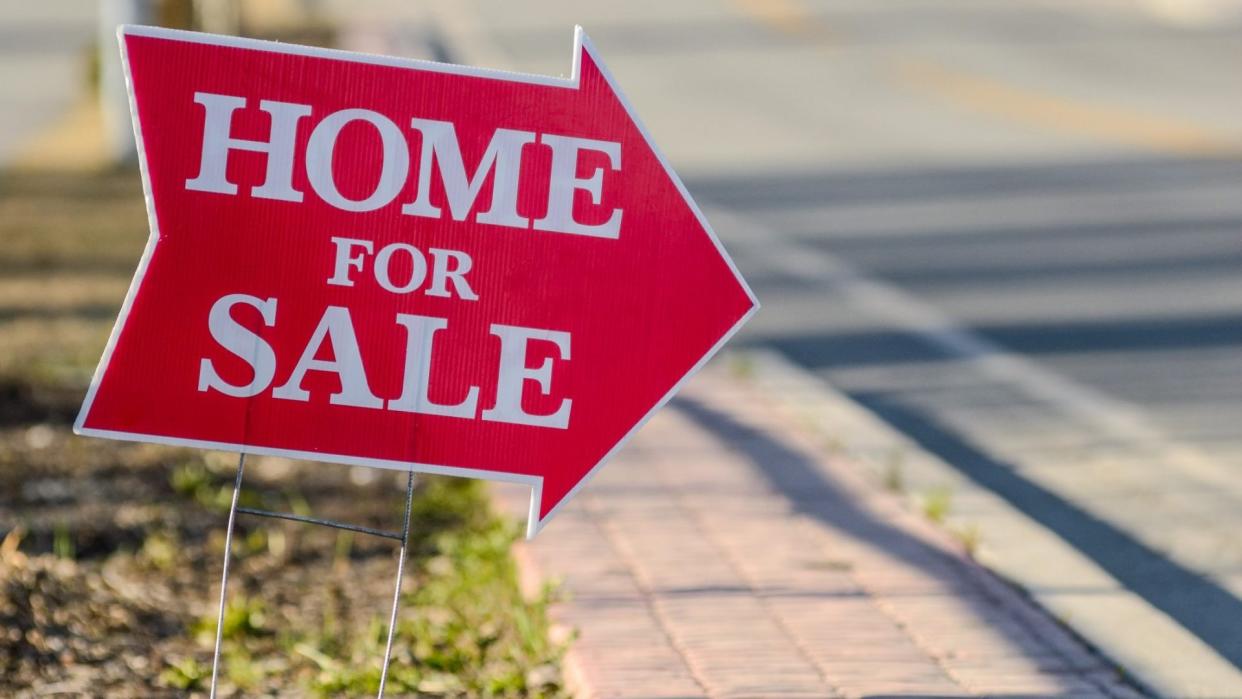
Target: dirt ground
<point x="111" y="551"/>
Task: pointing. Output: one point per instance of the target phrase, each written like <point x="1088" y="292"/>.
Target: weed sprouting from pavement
<point x="895" y="471"/>
<point x="937" y="503"/>
<point x="971" y="538"/>
<point x="742" y="365"/>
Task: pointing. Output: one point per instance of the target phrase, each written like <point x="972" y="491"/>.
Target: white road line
<point x="1103" y="414"/>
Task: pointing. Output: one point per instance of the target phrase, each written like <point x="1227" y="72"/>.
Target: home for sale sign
<point x="403" y="264"/>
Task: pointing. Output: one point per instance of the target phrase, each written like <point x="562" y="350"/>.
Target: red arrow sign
<point x="403" y="264"/>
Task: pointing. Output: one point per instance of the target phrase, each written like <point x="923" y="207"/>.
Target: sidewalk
<point x="721" y="554"/>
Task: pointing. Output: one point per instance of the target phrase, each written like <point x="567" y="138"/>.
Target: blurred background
<point x="1012" y="231"/>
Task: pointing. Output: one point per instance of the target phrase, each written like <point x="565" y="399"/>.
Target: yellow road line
<point x="788" y="17"/>
<point x="1105" y="123"/>
<point x="1102" y="122"/>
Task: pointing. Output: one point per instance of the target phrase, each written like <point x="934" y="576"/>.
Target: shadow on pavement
<point x="1119" y="273"/>
<point x="780" y="190"/>
<point x="799" y="479"/>
<point x="823" y="350"/>
<point x="1197" y="603"/>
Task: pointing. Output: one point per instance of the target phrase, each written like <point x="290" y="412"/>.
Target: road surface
<point x="1013" y="230"/>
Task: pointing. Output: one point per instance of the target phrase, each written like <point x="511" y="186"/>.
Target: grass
<point x="70" y="246"/>
<point x="62" y="542"/>
<point x="464" y="627"/>
<point x="124" y="541"/>
<point x="937" y="503"/>
<point x="742" y="365"/>
<point x="971" y="538"/>
<point x="895" y="471"/>
<point x="186" y="674"/>
<point x="468" y="629"/>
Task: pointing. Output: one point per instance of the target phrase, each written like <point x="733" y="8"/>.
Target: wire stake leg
<point x="228" y="549"/>
<point x="224" y="578"/>
<point x="396" y="593"/>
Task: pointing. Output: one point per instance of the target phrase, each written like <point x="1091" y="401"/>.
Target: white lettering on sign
<point x="565" y="182"/>
<point x="514" y="346"/>
<point x="217" y="142"/>
<point x="337" y="331"/>
<point x="235" y="338"/>
<point x="337" y="328"/>
<point x="450" y="266"/>
<point x="420" y="333"/>
<point x="504" y="153"/>
<point x="418" y="271"/>
<point x="345" y="260"/>
<point x="440" y="151"/>
<point x="447" y="267"/>
<point x="394" y="168"/>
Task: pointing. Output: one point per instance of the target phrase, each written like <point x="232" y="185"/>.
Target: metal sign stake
<point x="396" y="591"/>
<point x="224" y="577"/>
<point x="403" y="536"/>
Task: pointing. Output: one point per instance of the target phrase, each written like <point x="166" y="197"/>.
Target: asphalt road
<point x="1013" y="230"/>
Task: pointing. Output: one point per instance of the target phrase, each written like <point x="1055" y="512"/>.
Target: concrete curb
<point x="1151" y="647"/>
<point x="531" y="581"/>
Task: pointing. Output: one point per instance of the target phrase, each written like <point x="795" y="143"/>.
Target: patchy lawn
<point x="110" y="552"/>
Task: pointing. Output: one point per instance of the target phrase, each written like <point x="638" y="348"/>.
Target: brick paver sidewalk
<point x="722" y="554"/>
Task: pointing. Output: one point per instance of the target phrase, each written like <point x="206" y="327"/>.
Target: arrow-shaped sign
<point x="404" y="264"/>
